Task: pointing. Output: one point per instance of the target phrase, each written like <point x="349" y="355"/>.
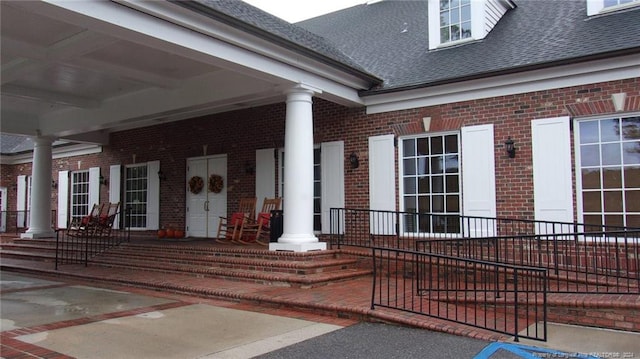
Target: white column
<point x="40" y="220"/>
<point x="298" y="175"/>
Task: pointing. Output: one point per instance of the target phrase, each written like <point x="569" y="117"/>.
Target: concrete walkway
<point x="52" y="318"/>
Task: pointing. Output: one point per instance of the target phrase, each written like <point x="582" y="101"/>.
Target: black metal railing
<point x="503" y="298"/>
<point x="78" y="247"/>
<point x="18" y="221"/>
<point x="581" y="258"/>
<point x="591" y="262"/>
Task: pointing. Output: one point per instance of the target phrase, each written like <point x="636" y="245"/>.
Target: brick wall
<point x="240" y="133"/>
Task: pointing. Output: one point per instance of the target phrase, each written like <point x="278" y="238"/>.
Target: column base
<point x="34" y="235"/>
<point x="298" y="247"/>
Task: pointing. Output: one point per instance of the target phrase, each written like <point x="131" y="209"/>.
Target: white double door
<point x="205" y="208"/>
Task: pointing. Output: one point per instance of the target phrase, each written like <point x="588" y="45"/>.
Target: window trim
<point x="577" y="156"/>
<point x="401" y="194"/>
<point x="596" y="7"/>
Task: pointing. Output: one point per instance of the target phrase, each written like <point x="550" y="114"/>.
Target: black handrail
<point x="78" y="247"/>
<point x="581" y="258"/>
<point x="503" y="298"/>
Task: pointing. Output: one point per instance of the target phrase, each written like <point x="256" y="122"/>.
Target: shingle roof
<point x="258" y="22"/>
<point x="390" y="40"/>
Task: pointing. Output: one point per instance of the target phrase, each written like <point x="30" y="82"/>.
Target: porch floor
<point x="340" y="303"/>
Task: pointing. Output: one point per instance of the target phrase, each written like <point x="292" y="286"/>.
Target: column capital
<point x="42" y="140"/>
<point x="302" y="88"/>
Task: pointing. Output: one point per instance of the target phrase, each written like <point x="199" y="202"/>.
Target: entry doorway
<point x="205" y="207"/>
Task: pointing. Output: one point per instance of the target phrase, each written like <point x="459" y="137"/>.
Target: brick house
<point x="389" y="105"/>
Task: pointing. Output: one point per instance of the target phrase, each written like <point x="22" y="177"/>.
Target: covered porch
<point x="80" y="71"/>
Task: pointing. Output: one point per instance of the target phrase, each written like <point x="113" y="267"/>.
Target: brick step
<point x="33" y="255"/>
<point x="235" y="262"/>
<point x="236" y="274"/>
<point x="234" y="251"/>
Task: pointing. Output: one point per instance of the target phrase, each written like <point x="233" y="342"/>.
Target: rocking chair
<point x="84" y="226"/>
<point x="105" y="221"/>
<point x="258" y="230"/>
<point x="229" y="228"/>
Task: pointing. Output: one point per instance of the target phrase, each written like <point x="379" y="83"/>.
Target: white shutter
<point x="382" y="183"/>
<point x="94" y="186"/>
<point x="115" y="174"/>
<point x="21" y="198"/>
<point x="332" y="181"/>
<point x="552" y="187"/>
<point x="478" y="179"/>
<point x="153" y="195"/>
<point x="63" y="199"/>
<point x="265" y="175"/>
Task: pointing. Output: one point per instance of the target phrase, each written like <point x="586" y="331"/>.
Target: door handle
<point x="206" y="206"/>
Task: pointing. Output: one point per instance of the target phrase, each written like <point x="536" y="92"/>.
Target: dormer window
<point x="595" y="7"/>
<point x="455" y="20"/>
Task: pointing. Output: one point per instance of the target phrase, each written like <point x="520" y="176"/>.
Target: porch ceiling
<point x="78" y="70"/>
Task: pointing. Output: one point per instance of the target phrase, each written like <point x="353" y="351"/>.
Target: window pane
<point x="591" y="178"/>
<point x="423" y="146"/>
<point x="423" y="185"/>
<point x="451" y="164"/>
<point x="612" y="177"/>
<point x="590" y="155"/>
<point x="408" y="147"/>
<point x="465" y="30"/>
<point x="633" y="221"/>
<point x="593" y="220"/>
<point x="611" y="154"/>
<point x="409" y="167"/>
<point x="436" y="165"/>
<point x="436" y="184"/>
<point x="466" y="13"/>
<point x="424" y="204"/>
<point x="410" y="185"/>
<point x="453" y="204"/>
<point x="589" y="132"/>
<point x="631" y="153"/>
<point x="436" y="146"/>
<point x="632" y="199"/>
<point x="613" y="220"/>
<point x="609" y="130"/>
<point x="453" y="185"/>
<point x="632" y="177"/>
<point x="613" y="201"/>
<point x="410" y="204"/>
<point x="451" y="144"/>
<point x="423" y="165"/>
<point x="631" y="128"/>
<point x="437" y="204"/>
<point x="591" y="202"/>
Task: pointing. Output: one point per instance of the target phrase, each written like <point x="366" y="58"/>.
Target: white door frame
<point x="220" y="211"/>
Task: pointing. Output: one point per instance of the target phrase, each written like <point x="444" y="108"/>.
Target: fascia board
<point x="523" y="82"/>
<point x="56" y="152"/>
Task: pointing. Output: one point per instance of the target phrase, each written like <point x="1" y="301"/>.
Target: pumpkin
<point x="170" y="233"/>
<point x="162" y="233"/>
<point x="178" y="234"/>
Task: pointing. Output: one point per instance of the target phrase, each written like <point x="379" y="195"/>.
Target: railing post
<point x="57" y="246"/>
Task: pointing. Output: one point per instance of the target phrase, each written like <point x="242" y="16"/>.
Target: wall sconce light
<point x="249" y="169"/>
<point x="54" y="185"/>
<point x="510" y="147"/>
<point x="161" y="176"/>
<point x="103" y="181"/>
<point x="354" y="160"/>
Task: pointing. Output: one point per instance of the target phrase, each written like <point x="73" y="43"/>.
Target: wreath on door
<point x="196" y="183"/>
<point x="215" y="183"/>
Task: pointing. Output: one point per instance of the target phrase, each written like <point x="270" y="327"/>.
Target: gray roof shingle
<point x="390" y="40"/>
